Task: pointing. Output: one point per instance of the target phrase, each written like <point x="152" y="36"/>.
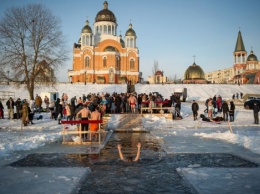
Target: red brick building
<point x="102" y="56"/>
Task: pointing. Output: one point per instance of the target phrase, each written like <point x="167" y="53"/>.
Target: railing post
<point x="80" y="132"/>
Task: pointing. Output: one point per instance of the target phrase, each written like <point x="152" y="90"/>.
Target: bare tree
<point x="29" y="36"/>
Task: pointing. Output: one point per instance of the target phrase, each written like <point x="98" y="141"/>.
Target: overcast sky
<point x="168" y="31"/>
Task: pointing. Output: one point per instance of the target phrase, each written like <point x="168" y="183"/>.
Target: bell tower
<point x="240" y="56"/>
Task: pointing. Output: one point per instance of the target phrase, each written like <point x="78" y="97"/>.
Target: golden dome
<point x="130" y="31"/>
<point x="105" y="14"/>
<point x="194" y="72"/>
<point x="86" y="28"/>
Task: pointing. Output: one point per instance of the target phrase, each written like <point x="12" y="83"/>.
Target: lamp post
<point x="162" y="77"/>
<point x="85" y="77"/>
<point x="8" y="77"/>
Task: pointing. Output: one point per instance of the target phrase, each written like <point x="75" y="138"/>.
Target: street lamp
<point x="162" y="77"/>
<point x="85" y="77"/>
<point x="8" y="76"/>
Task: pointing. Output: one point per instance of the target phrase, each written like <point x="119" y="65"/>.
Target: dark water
<point x="154" y="173"/>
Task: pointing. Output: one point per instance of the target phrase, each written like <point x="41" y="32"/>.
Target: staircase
<point x="131" y="123"/>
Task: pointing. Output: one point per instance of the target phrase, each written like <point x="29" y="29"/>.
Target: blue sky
<point x="168" y="31"/>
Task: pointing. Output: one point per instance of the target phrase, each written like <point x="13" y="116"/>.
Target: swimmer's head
<point x="129" y="159"/>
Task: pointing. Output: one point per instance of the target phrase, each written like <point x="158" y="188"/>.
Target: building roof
<point x="130" y="31"/>
<point x="86" y="28"/>
<point x="105" y="14"/>
<point x="240" y="44"/>
<point x="194" y="72"/>
<point x="252" y="57"/>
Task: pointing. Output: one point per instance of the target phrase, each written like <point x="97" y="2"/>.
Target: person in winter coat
<point x="60" y="111"/>
<point x="195" y="108"/>
<point x="57" y="104"/>
<point x="25" y="113"/>
<point x="118" y="101"/>
<point x="38" y="103"/>
<point x="256" y="111"/>
<point x="10" y="107"/>
<point x="18" y="105"/>
<point x="219" y="104"/>
<point x="225" y="110"/>
<point x="47" y="103"/>
<point x="1" y="110"/>
<point x="231" y="111"/>
<point x="178" y="109"/>
<point x="206" y="104"/>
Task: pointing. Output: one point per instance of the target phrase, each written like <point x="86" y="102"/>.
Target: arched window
<point x="131" y="43"/>
<point x="100" y="29"/>
<point x="105" y="29"/>
<point x="117" y="62"/>
<point x="83" y="40"/>
<point x="87" y="40"/>
<point x="104" y="62"/>
<point x="113" y="30"/>
<point x="87" y="62"/>
<point x="109" y="29"/>
<point x="132" y="64"/>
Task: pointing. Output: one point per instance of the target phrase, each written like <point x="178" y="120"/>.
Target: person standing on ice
<point x="225" y="110"/>
<point x="10" y="107"/>
<point x="132" y="102"/>
<point x="210" y="109"/>
<point x="178" y="109"/>
<point x="231" y="111"/>
<point x="195" y="108"/>
<point x="206" y="104"/>
<point x="256" y="110"/>
<point x="85" y="114"/>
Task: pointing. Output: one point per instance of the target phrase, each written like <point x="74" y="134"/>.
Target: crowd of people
<point x="116" y="103"/>
<point x="217" y="105"/>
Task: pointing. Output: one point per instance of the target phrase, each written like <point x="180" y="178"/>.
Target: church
<point x="101" y="56"/>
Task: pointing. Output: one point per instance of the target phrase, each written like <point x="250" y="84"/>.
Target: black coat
<point x="118" y="100"/>
<point x="178" y="105"/>
<point x="225" y="107"/>
<point x="1" y="105"/>
<point x="256" y="108"/>
<point x="194" y="106"/>
<point x="8" y="104"/>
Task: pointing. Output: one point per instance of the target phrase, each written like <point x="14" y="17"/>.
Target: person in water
<point x="130" y="158"/>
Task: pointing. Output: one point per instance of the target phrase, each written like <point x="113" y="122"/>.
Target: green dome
<point x="252" y="57"/>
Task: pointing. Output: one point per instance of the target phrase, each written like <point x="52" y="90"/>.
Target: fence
<point x="158" y="107"/>
<point x="77" y="131"/>
<point x="5" y="95"/>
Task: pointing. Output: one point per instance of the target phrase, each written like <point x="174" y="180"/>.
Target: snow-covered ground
<point x="246" y="134"/>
